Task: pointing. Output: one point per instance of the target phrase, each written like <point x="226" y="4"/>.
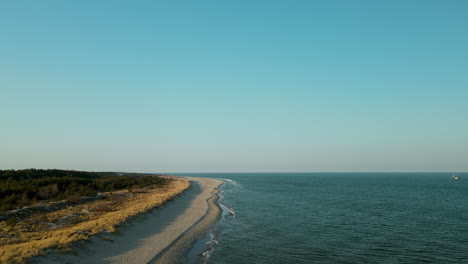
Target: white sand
<point x="163" y="236"/>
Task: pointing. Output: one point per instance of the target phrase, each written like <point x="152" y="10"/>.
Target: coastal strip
<point x="163" y="236"/>
<point x="176" y="251"/>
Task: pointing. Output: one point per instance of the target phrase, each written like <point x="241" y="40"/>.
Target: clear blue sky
<point x="234" y="86"/>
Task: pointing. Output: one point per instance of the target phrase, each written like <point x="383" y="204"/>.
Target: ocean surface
<point x="339" y="218"/>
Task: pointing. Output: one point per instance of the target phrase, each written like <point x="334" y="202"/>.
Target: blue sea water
<point x="341" y="218"/>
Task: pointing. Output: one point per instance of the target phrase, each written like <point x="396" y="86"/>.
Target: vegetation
<point x="59" y="230"/>
<point x="19" y="188"/>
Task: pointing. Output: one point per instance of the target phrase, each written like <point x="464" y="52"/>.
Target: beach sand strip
<point x="163" y="236"/>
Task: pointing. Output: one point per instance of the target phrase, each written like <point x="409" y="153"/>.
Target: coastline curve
<point x="163" y="236"/>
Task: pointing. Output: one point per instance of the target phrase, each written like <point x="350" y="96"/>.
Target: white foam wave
<point x="229" y="210"/>
<point x="210" y="246"/>
<point x="213" y="240"/>
<point x="232" y="182"/>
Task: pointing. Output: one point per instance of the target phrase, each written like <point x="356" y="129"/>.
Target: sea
<point x="338" y="218"/>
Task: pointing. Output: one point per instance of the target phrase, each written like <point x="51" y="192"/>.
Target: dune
<point x="163" y="236"/>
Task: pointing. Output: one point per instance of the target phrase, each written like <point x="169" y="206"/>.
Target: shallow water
<point x="342" y="218"/>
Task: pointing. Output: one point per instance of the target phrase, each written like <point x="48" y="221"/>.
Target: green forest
<point x="19" y="188"/>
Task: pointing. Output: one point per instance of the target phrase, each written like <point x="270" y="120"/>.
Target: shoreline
<point x="164" y="236"/>
<point x="178" y="249"/>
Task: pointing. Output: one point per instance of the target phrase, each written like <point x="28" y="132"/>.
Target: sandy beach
<point x="163" y="236"/>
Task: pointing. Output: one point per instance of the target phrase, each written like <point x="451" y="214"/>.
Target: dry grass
<point x="32" y="237"/>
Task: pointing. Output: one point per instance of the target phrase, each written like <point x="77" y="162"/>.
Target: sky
<point x="234" y="86"/>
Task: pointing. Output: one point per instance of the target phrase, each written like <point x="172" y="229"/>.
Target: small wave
<point x="213" y="240"/>
<point x="221" y="197"/>
<point x="229" y="210"/>
<point x="221" y="194"/>
<point x="210" y="246"/>
<point x="232" y="182"/>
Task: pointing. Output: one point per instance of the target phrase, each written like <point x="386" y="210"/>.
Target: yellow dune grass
<point x="29" y="241"/>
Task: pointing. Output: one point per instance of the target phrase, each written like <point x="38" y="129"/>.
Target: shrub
<point x="12" y="221"/>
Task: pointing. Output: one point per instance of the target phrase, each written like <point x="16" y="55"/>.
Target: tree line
<point x="19" y="188"/>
